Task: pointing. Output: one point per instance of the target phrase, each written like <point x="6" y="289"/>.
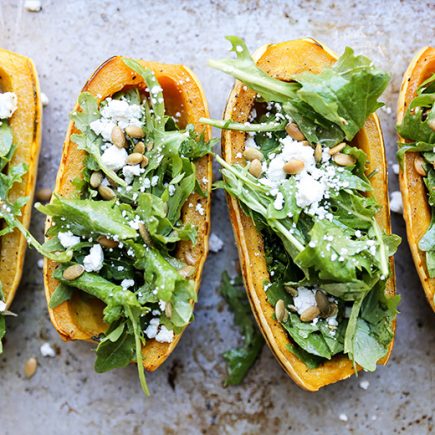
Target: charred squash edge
<point x="281" y="61"/>
<point x="416" y="209"/>
<point x="82" y="320"/>
<point x="18" y="74"/>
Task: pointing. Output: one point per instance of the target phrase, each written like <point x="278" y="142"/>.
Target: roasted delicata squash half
<point x="304" y="168"/>
<point x="20" y="140"/>
<point x="131" y="212"/>
<point x="416" y="129"/>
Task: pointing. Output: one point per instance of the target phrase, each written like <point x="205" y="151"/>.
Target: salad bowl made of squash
<point x="20" y="140"/>
<point x="416" y="129"/>
<point x="131" y="211"/>
<point x="304" y="169"/>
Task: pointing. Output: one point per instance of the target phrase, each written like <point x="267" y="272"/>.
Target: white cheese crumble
<point x="215" y="243"/>
<point x="67" y="239"/>
<point x="364" y="385"/>
<point x="94" y="261"/>
<point x="200" y="209"/>
<point x="131" y="171"/>
<point x="396" y="203"/>
<point x="309" y="190"/>
<point x="396" y="168"/>
<point x="305" y="299"/>
<point x="8" y="104"/>
<point x="32" y="5"/>
<point x="279" y="201"/>
<point x="343" y="417"/>
<point x="47" y="350"/>
<point x="127" y="283"/>
<point x="162" y="305"/>
<point x="103" y="127"/>
<point x="2" y="307"/>
<point x="40" y="263"/>
<point x="165" y="335"/>
<point x="122" y="113"/>
<point x="171" y="189"/>
<point x="152" y="328"/>
<point x="44" y="99"/>
<point x="114" y="158"/>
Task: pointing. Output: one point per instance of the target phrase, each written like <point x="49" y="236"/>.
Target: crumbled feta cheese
<point x="215" y="243"/>
<point x="47" y="350"/>
<point x="32" y="5"/>
<point x="2" y="307"/>
<point x="309" y="190"/>
<point x="67" y="239"/>
<point x="131" y="171"/>
<point x="250" y="143"/>
<point x="364" y="385"/>
<point x="114" y="158"/>
<point x="151" y="330"/>
<point x="171" y="189"/>
<point x="122" y="113"/>
<point x="40" y="263"/>
<point x="396" y="168"/>
<point x="200" y="209"/>
<point x="343" y="417"/>
<point x="165" y="335"/>
<point x="94" y="261"/>
<point x="279" y="201"/>
<point x="162" y="305"/>
<point x="154" y="180"/>
<point x="103" y="127"/>
<point x="8" y="104"/>
<point x="396" y="204"/>
<point x="305" y="299"/>
<point x="44" y="100"/>
<point x="127" y="283"/>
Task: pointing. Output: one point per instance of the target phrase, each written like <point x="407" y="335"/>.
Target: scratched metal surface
<point x="68" y="40"/>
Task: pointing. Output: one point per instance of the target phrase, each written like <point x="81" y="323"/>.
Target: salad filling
<point x="418" y="127"/>
<point x="303" y="182"/>
<point x="117" y="237"/>
<point x="9" y="175"/>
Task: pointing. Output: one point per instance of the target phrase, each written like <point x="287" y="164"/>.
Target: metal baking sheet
<point x="68" y="40"/>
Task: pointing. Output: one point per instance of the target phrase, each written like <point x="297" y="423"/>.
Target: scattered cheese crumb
<point x="40" y="263"/>
<point x="33" y="5"/>
<point x="67" y="239"/>
<point x="200" y="209"/>
<point x="114" y="158"/>
<point x="396" y="168"/>
<point x="215" y="243"/>
<point x="8" y="104"/>
<point x="127" y="283"/>
<point x="44" y="99"/>
<point x="47" y="350"/>
<point x="364" y="385"/>
<point x="2" y="307"/>
<point x="165" y="335"/>
<point x="396" y="203"/>
<point x="305" y="299"/>
<point x="94" y="261"/>
<point x="343" y="417"/>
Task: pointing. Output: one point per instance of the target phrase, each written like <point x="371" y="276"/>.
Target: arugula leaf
<point x="87" y="217"/>
<point x="5" y="138"/>
<point x="240" y="359"/>
<point x="61" y="294"/>
<point x="244" y="69"/>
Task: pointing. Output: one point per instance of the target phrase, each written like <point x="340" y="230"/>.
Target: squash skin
<point x="416" y="210"/>
<point x="281" y="61"/>
<point x="82" y="320"/>
<point x="18" y="74"/>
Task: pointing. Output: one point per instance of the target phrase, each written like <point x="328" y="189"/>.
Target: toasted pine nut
<point x="280" y="311"/>
<point x="134" y="159"/>
<point x="144" y="162"/>
<point x="96" y="179"/>
<point x="310" y="314"/>
<point x="139" y="148"/>
<point x="134" y="131"/>
<point x="318" y="153"/>
<point x="107" y="243"/>
<point x="73" y="272"/>
<point x="293" y="131"/>
<point x="30" y="367"/>
<point x="118" y="137"/>
<point x="344" y="159"/>
<point x="252" y="154"/>
<point x="419" y="165"/>
<point x="336" y="149"/>
<point x="106" y="192"/>
<point x="255" y="168"/>
<point x="293" y="166"/>
<point x="43" y="194"/>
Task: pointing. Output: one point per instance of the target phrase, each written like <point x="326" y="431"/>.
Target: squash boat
<point x="282" y="61"/>
<point x="416" y="210"/>
<point x="80" y="318"/>
<point x="18" y="76"/>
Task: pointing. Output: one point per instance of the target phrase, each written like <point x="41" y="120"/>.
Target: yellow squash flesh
<point x="18" y="74"/>
<point x="416" y="209"/>
<point x="282" y="61"/>
<point x="80" y="319"/>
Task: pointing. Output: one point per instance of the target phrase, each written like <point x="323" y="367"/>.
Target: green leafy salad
<point x="9" y="175"/>
<point x="418" y="126"/>
<point x="116" y="239"/>
<point x="305" y="187"/>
